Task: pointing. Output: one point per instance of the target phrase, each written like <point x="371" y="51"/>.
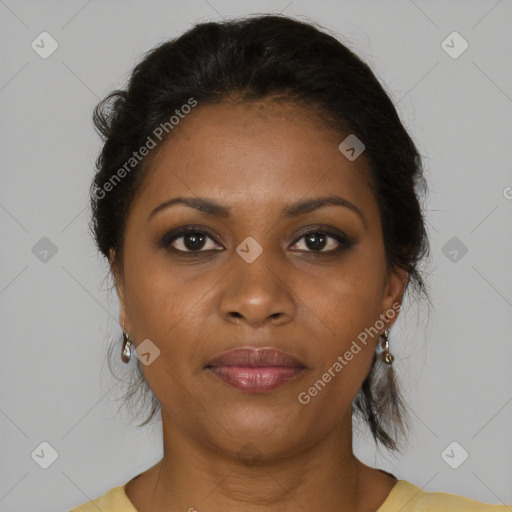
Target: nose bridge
<point x="255" y="290"/>
<point x="258" y="272"/>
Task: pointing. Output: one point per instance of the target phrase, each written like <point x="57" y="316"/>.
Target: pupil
<point x="315" y="245"/>
<point x="197" y="241"/>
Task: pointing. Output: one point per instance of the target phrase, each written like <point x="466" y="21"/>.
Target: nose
<point x="257" y="293"/>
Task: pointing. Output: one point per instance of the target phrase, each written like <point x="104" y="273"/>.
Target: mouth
<point x="255" y="370"/>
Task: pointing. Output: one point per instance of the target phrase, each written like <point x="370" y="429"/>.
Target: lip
<point x="255" y="370"/>
<point x="249" y="356"/>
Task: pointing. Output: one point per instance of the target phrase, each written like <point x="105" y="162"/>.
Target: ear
<point x="120" y="289"/>
<point x="394" y="290"/>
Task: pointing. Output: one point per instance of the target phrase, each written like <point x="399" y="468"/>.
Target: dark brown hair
<point x="282" y="59"/>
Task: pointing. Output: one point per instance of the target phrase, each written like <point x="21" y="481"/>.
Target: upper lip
<point x="249" y="356"/>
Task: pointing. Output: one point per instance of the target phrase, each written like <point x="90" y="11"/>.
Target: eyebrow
<point x="211" y="207"/>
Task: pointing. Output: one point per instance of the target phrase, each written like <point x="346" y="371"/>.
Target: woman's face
<point x="254" y="278"/>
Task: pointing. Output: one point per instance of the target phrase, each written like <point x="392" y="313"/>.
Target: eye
<point x="319" y="239"/>
<point x="188" y="239"/>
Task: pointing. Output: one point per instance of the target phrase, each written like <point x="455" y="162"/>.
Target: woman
<point x="258" y="200"/>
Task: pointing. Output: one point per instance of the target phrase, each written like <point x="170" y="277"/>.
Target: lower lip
<point x="255" y="379"/>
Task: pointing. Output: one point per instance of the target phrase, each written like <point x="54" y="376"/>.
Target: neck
<point x="192" y="475"/>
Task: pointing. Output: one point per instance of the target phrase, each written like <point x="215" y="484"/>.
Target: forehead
<point x="265" y="152"/>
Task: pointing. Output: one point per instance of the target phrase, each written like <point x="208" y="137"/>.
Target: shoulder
<point x="407" y="497"/>
<point x="114" y="500"/>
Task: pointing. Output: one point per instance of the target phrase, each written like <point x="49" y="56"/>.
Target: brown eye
<point x="323" y="241"/>
<point x="189" y="240"/>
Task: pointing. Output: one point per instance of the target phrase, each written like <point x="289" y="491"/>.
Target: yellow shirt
<point x="404" y="497"/>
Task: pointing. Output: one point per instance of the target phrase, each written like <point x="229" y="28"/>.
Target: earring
<point x="126" y="352"/>
<point x="387" y="356"/>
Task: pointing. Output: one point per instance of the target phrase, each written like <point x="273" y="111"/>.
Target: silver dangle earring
<point x="126" y="352"/>
<point x="387" y="356"/>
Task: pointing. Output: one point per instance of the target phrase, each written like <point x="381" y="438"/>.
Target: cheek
<point x="344" y="347"/>
<point x="161" y="309"/>
<point x="155" y="298"/>
<point x="347" y="301"/>
<point x="342" y="311"/>
<point x="170" y="308"/>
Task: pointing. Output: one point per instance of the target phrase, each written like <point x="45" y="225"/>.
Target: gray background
<point x="58" y="316"/>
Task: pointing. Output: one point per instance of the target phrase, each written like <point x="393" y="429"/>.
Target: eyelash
<point x="169" y="238"/>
